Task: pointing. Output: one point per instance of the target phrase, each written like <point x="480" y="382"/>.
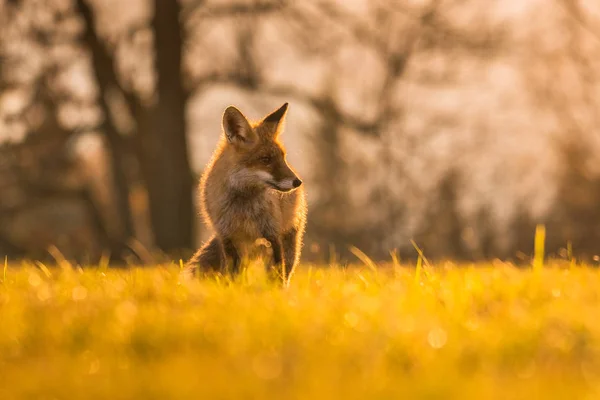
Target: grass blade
<point x="44" y="269"/>
<point x="395" y="261"/>
<point x="59" y="258"/>
<point x="395" y="257"/>
<point x="422" y="256"/>
<point x="364" y="258"/>
<point x="540" y="240"/>
<point x="570" y="257"/>
<point x="333" y="259"/>
<point x="104" y="261"/>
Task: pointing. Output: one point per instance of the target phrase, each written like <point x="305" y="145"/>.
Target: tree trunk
<point x="104" y="72"/>
<point x="164" y="157"/>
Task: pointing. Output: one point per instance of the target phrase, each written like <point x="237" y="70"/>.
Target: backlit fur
<point x="247" y="192"/>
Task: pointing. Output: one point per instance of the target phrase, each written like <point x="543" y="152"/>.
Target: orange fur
<point x="247" y="192"/>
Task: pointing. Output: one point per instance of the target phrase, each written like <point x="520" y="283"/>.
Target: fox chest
<point x="249" y="219"/>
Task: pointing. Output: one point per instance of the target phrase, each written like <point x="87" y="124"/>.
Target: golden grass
<point x="465" y="332"/>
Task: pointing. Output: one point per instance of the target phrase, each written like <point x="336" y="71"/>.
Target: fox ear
<point x="276" y="119"/>
<point x="236" y="127"/>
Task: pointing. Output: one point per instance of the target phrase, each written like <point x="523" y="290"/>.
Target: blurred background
<point x="460" y="124"/>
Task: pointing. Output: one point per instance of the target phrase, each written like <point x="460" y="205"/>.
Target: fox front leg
<point x="231" y="257"/>
<point x="291" y="252"/>
<point x="276" y="268"/>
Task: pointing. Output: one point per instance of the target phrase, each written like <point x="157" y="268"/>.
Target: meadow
<point x="442" y="331"/>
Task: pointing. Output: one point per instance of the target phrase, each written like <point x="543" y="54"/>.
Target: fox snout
<point x="286" y="184"/>
<point x="282" y="183"/>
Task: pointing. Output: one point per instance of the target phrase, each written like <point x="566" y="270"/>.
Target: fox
<point x="248" y="191"/>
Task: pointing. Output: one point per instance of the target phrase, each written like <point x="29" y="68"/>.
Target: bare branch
<point x="573" y="8"/>
<point x="359" y="30"/>
<point x="104" y="65"/>
<point x="106" y="77"/>
<point x="198" y="9"/>
<point x="319" y="103"/>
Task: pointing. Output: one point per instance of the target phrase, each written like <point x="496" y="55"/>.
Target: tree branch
<point x="319" y="103"/>
<point x="198" y="9"/>
<point x="573" y="8"/>
<point x="106" y="77"/>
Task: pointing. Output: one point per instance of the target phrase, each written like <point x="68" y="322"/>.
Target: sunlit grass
<point x="539" y="245"/>
<point x="486" y="331"/>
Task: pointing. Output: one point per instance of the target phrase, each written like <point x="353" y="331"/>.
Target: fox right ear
<point x="236" y="127"/>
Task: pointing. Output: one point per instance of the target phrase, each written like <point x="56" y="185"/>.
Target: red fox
<point x="248" y="192"/>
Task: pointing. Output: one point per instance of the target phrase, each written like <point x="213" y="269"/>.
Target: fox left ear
<point x="276" y="118"/>
<point x="237" y="128"/>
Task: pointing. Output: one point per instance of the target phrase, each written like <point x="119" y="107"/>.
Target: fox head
<point x="258" y="154"/>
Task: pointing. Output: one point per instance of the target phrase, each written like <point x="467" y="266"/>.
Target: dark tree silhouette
<point x="165" y="162"/>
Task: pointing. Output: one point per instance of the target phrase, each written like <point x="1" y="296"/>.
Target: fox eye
<point x="265" y="159"/>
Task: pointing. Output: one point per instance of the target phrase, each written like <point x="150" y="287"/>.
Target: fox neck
<point x="245" y="180"/>
<point x="235" y="177"/>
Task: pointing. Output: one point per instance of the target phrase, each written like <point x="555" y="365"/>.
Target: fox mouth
<point x="281" y="185"/>
<point x="285" y="185"/>
<point x="279" y="188"/>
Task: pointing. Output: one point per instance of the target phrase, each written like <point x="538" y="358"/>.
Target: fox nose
<point x="297" y="182"/>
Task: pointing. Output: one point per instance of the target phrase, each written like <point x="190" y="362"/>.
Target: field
<point x="486" y="331"/>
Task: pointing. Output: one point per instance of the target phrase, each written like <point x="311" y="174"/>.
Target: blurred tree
<point x="563" y="78"/>
<point x="164" y="155"/>
<point x="144" y="127"/>
<point x="107" y="81"/>
<point x="391" y="95"/>
<point x="160" y="130"/>
<point x="394" y="35"/>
